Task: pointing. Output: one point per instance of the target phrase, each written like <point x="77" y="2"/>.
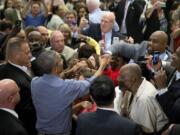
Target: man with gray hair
<point x="9" y="98"/>
<point x="53" y="96"/>
<point x="57" y="44"/>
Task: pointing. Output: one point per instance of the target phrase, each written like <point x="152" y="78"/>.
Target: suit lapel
<point x="8" y="114"/>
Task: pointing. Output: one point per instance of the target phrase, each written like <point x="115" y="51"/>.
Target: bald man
<point x="9" y="97"/>
<point x="139" y="52"/>
<point x="104" y="31"/>
<point x="143" y="108"/>
<point x="45" y="35"/>
<point x="157" y="42"/>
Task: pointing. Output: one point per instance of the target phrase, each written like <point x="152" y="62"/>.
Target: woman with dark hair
<point x="7" y="4"/>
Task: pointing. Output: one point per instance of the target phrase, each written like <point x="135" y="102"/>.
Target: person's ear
<point x="11" y="99"/>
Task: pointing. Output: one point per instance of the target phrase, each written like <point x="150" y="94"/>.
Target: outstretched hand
<point x="160" y="79"/>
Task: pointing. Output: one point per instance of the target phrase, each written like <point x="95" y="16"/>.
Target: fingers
<point x="160" y="79"/>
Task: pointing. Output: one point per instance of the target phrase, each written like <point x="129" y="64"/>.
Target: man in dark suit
<point x="17" y="68"/>
<point x="9" y="97"/>
<point x="174" y="129"/>
<point x="104" y="32"/>
<point x="169" y="96"/>
<point x="128" y="13"/>
<point x="105" y="121"/>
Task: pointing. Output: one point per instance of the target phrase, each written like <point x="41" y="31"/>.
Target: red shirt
<point x="113" y="74"/>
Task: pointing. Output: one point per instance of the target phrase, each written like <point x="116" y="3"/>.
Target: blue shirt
<point x="34" y="20"/>
<point x="52" y="98"/>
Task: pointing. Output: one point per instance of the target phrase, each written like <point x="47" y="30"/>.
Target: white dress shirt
<point x="123" y="26"/>
<point x="108" y="36"/>
<point x="23" y="68"/>
<point x="10" y="111"/>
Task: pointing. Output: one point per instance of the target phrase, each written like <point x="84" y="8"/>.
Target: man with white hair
<point x="57" y="44"/>
<point x="95" y="13"/>
<point x="104" y="32"/>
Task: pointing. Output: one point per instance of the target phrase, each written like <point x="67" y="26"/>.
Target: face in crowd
<point x="157" y="42"/>
<point x="35" y="9"/>
<point x="176" y="59"/>
<point x="107" y="22"/>
<point x="57" y="41"/>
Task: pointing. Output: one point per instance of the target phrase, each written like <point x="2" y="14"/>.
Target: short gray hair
<point x="14" y="47"/>
<point x="46" y="61"/>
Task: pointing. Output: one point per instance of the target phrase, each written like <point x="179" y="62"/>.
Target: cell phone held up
<point x="155" y="57"/>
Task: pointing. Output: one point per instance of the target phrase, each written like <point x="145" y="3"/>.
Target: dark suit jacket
<point x="94" y="31"/>
<point x="25" y="108"/>
<point x="135" y="9"/>
<point x="10" y="125"/>
<point x="170" y="102"/>
<point x="175" y="130"/>
<point x="104" y="122"/>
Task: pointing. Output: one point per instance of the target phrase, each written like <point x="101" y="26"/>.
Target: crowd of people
<point x="89" y="67"/>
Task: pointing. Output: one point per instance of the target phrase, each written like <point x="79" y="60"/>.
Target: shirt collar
<point x="10" y="111"/>
<point x="107" y="109"/>
<point x="177" y="75"/>
<point x="163" y="56"/>
<point x="23" y="68"/>
<point x="140" y="89"/>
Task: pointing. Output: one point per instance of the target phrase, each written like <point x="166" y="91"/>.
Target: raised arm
<point x="45" y="8"/>
<point x="26" y="8"/>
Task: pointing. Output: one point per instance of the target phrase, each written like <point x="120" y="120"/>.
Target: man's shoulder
<point x="67" y="49"/>
<point x="108" y="119"/>
<point x="110" y="115"/>
<point x="7" y="68"/>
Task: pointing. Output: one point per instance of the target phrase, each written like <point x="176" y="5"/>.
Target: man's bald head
<point x="130" y="77"/>
<point x="132" y="70"/>
<point x="41" y="28"/>
<point x="44" y="33"/>
<point x="158" y="42"/>
<point x="9" y="93"/>
<point x="162" y="35"/>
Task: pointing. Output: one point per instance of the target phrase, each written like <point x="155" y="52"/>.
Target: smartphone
<point x="155" y="58"/>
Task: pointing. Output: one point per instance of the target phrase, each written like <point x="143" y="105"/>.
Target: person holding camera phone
<point x="169" y="95"/>
<point x="143" y="51"/>
<point x="35" y="17"/>
<point x="156" y="19"/>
